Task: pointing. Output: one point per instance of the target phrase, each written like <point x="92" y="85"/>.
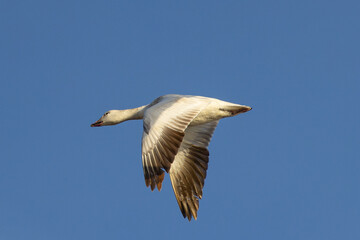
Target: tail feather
<point x="235" y="109"/>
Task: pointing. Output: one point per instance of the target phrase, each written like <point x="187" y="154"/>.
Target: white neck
<point x="129" y="114"/>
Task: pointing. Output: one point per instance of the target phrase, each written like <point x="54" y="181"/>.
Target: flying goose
<point x="177" y="132"/>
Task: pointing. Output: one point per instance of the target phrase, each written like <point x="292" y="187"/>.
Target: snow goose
<point x="177" y="132"/>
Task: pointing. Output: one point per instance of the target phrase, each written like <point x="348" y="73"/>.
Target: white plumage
<point x="177" y="132"/>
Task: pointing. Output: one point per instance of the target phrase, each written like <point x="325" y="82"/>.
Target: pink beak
<point x="98" y="123"/>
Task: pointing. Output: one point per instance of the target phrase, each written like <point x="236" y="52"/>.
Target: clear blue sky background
<point x="289" y="169"/>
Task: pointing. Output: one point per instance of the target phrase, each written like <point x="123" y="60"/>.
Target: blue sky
<point x="288" y="169"/>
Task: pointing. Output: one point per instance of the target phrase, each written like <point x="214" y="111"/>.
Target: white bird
<point x="177" y="132"/>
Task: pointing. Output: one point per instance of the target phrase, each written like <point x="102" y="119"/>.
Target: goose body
<point x="177" y="132"/>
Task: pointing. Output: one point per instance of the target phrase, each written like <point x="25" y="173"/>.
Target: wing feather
<point x="165" y="122"/>
<point x="188" y="170"/>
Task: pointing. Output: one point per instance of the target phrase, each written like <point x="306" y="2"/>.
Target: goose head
<point x="113" y="117"/>
<point x="109" y="118"/>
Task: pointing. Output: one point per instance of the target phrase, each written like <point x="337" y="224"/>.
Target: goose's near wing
<point x="188" y="171"/>
<point x="165" y="121"/>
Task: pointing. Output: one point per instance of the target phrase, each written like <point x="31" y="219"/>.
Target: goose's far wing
<point x="165" y="121"/>
<point x="188" y="170"/>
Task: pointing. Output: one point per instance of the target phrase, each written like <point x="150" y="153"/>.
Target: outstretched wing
<point x="188" y="170"/>
<point x="165" y="121"/>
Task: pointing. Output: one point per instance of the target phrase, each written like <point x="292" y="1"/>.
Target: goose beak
<point x="98" y="123"/>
